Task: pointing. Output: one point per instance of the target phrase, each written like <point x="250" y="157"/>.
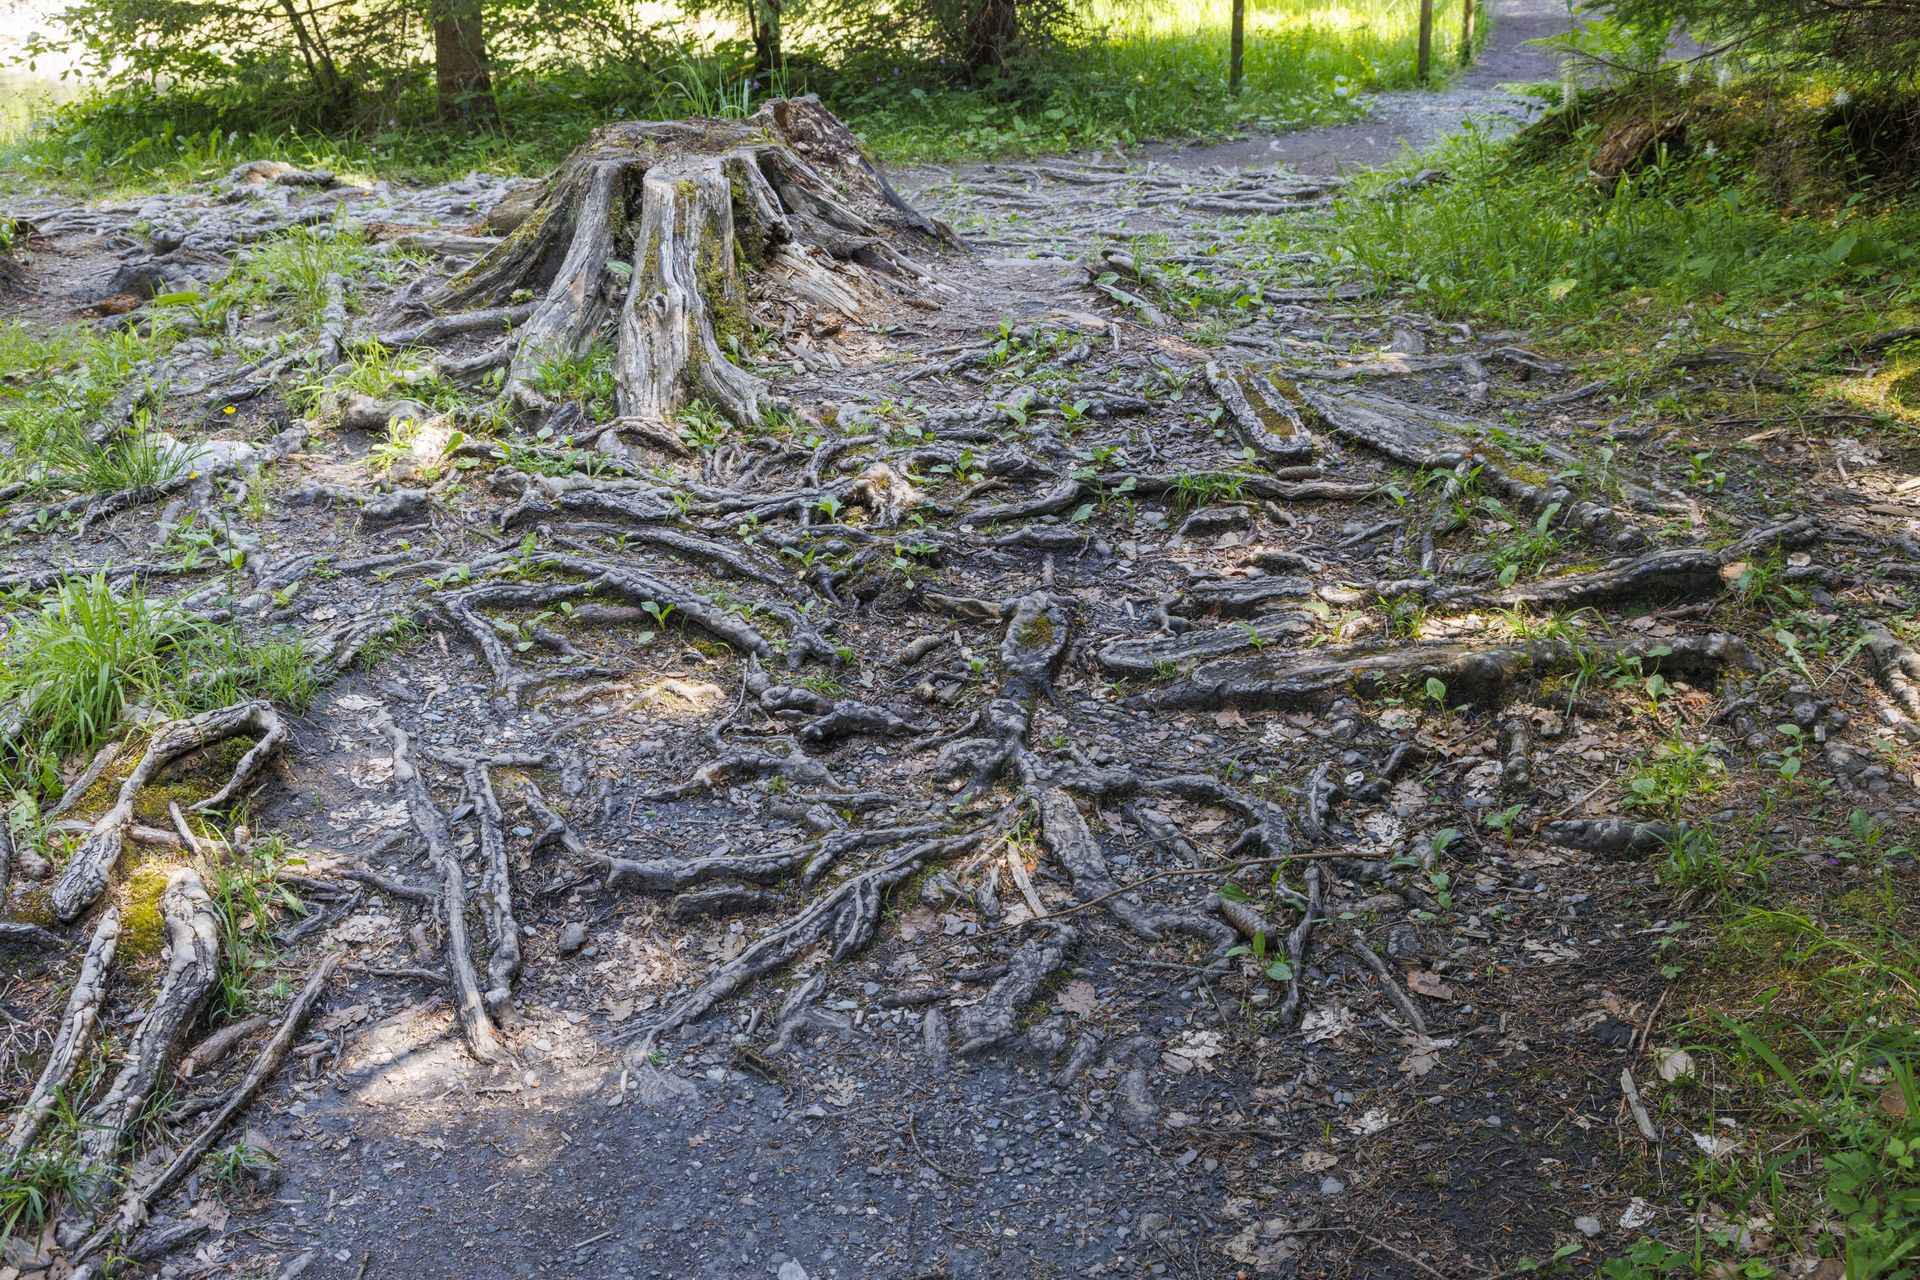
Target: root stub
<point x="679" y="215"/>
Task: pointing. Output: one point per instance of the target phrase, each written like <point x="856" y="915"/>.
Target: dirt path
<point x="1413" y="120"/>
<point x="1239" y="623"/>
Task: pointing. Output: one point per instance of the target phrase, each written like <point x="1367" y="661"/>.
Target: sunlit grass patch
<point x="1134" y="72"/>
<point x="75" y="661"/>
<point x="1689" y="249"/>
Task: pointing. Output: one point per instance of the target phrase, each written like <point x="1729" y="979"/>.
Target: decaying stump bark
<point x="673" y="223"/>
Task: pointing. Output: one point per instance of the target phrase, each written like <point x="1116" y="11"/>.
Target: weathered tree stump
<point x="696" y="222"/>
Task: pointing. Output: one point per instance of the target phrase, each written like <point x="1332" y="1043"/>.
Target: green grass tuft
<point x="74" y="664"/>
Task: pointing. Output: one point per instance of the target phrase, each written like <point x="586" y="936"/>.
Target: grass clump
<point x="54" y="384"/>
<point x="247" y="891"/>
<point x="1797" y="1064"/>
<point x="52" y="1174"/>
<point x="1821" y="1078"/>
<point x="293" y="268"/>
<point x="57" y="384"/>
<point x="1706" y="237"/>
<point x="74" y="664"/>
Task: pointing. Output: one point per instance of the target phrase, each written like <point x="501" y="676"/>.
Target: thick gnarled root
<point x="1469" y="674"/>
<point x="192" y="927"/>
<point x="78" y="1022"/>
<point x="86" y="876"/>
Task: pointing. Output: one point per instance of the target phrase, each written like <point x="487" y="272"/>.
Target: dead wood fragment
<point x="216" y="1046"/>
<point x="1369" y="957"/>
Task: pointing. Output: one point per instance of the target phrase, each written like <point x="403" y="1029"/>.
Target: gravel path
<point x="1412" y="120"/>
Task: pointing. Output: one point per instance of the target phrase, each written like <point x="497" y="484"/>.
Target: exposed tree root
<point x="496" y="890"/>
<point x="1151" y="655"/>
<point x="1070" y="841"/>
<point x="469" y="1004"/>
<point x="1897" y="669"/>
<point x="1618" y="836"/>
<point x="1420" y="438"/>
<point x="1278" y="435"/>
<point x="102" y="760"/>
<point x="193" y="937"/>
<point x="399" y="504"/>
<point x="844" y="918"/>
<point x="133" y="1207"/>
<point x="1671" y="573"/>
<point x="92" y="863"/>
<point x="1031" y="647"/>
<point x="794" y="765"/>
<point x="74" y="1039"/>
<point x="996" y="1019"/>
<point x="1469" y="674"/>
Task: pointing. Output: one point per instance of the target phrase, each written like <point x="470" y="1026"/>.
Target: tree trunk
<point x="765" y="15"/>
<point x="991" y="28"/>
<point x="1237" y="47"/>
<point x="334" y="94"/>
<point x="460" y="64"/>
<point x="1425" y="57"/>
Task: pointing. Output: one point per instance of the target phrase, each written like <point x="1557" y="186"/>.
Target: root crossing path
<point x="1073" y="760"/>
